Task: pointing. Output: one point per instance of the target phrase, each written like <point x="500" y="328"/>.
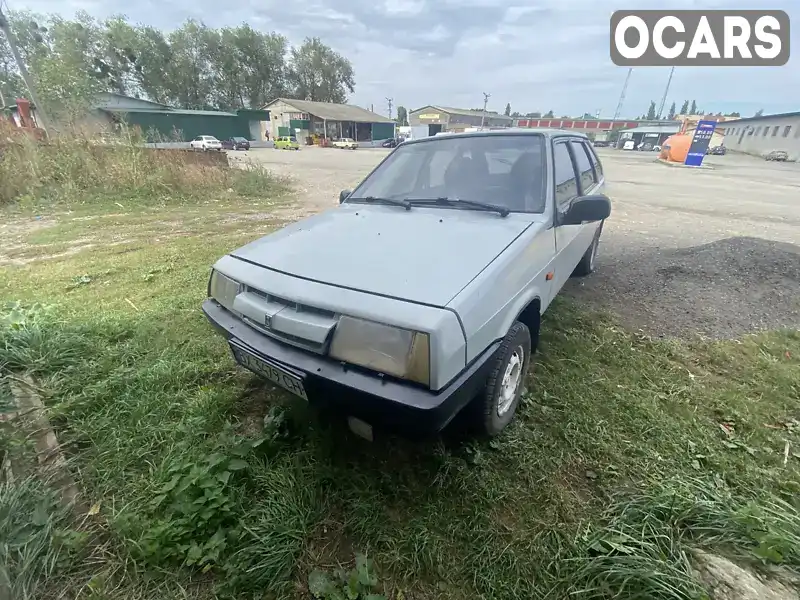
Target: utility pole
<point x="12" y="44"/>
<point x="389" y="102"/>
<point x="485" y="102"/>
<point x="666" y="91"/>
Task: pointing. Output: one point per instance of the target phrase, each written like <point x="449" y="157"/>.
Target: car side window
<point x="598" y="167"/>
<point x="584" y="166"/>
<point x="566" y="183"/>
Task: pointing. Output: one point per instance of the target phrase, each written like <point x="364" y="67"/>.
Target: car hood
<point x="424" y="255"/>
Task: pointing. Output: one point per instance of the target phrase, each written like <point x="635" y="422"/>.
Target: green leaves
<point x="193" y="66"/>
<point x="193" y="514"/>
<point x="356" y="584"/>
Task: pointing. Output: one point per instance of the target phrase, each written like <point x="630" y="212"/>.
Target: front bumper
<point x="384" y="403"/>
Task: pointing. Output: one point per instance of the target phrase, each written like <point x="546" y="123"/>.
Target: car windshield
<point x="504" y="170"/>
<point x="292" y="139"/>
<point x="239" y="139"/>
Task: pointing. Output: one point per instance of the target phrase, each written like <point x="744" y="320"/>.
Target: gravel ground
<point x="685" y="252"/>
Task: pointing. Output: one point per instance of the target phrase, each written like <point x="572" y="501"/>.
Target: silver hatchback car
<point x="421" y="294"/>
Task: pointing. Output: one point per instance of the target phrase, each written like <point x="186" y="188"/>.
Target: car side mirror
<point x="587" y="208"/>
<point x="343" y="195"/>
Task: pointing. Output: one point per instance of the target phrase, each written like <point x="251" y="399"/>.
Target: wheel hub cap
<point x="511" y="381"/>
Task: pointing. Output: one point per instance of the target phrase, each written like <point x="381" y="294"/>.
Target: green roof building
<point x="162" y="123"/>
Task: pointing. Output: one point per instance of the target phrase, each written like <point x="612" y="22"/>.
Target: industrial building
<point x="443" y="118"/>
<point x="762" y="135"/>
<point x="308" y="119"/>
<point x="596" y="129"/>
<point x="653" y="134"/>
<point x="159" y="122"/>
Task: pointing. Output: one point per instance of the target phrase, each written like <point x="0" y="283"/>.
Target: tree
<point x="671" y="114"/>
<point x="402" y="116"/>
<point x="66" y="60"/>
<point x="685" y="107"/>
<point x="651" y="112"/>
<point x="508" y="110"/>
<point x="733" y="114"/>
<point x="759" y="112"/>
<point x="193" y="66"/>
<point x="536" y="115"/>
<point x="548" y="114"/>
<point x="316" y="72"/>
<point x="693" y="109"/>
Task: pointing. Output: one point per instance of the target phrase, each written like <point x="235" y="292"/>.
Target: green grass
<point x="210" y="483"/>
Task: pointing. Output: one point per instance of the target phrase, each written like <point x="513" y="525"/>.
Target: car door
<point x="574" y="176"/>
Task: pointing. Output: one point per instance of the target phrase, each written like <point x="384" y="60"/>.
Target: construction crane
<point x="664" y="97"/>
<point x="622" y="95"/>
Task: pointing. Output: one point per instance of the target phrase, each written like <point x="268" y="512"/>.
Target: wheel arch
<point x="529" y="312"/>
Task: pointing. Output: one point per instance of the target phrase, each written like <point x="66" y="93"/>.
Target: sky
<point x="537" y="55"/>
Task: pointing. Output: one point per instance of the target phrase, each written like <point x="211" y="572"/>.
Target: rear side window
<point x="598" y="168"/>
<point x="566" y="183"/>
<point x="584" y="165"/>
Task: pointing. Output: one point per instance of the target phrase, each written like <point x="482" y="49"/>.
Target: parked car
<point x="387" y="308"/>
<point x="286" y="142"/>
<point x="391" y="143"/>
<point x="345" y="144"/>
<point x="236" y="143"/>
<point x="717" y="150"/>
<point x="205" y="143"/>
<point x="601" y="143"/>
<point x="778" y="155"/>
<point x="646" y="147"/>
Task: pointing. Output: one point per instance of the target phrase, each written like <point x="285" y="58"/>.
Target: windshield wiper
<point x="396" y="202"/>
<point x="469" y="203"/>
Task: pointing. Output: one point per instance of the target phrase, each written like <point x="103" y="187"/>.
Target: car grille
<point x="281" y="323"/>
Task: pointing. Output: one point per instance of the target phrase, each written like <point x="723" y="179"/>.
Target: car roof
<point x="531" y="131"/>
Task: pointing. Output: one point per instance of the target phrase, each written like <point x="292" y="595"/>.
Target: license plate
<point x="277" y="375"/>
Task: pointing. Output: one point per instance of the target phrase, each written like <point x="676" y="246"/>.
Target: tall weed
<point x="77" y="168"/>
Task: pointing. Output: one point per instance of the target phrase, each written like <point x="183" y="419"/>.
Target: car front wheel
<point x="495" y="407"/>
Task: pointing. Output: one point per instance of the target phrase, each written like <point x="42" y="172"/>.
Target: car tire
<point x="495" y="407"/>
<point x="588" y="261"/>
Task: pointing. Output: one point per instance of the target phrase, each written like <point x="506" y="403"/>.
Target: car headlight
<point x="383" y="348"/>
<point x="223" y="289"/>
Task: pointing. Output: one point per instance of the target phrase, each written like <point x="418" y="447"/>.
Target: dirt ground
<point x="686" y="252"/>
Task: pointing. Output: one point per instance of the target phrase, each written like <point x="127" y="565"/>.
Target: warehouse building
<point x="159" y="122"/>
<point x="762" y="135"/>
<point x="652" y="134"/>
<point x="443" y="118"/>
<point x="310" y="120"/>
